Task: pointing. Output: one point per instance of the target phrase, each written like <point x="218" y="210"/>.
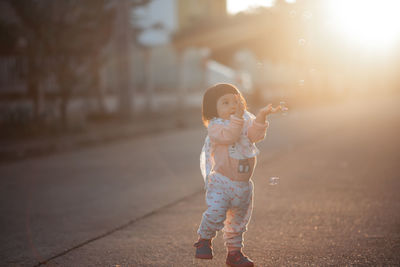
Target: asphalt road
<point x="139" y="202"/>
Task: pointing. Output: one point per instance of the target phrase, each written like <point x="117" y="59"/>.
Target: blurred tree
<point x="126" y="36"/>
<point x="65" y="39"/>
<point x="8" y="38"/>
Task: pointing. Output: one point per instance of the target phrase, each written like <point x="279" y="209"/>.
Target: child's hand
<point x="269" y="109"/>
<point x="265" y="111"/>
<point x="240" y="107"/>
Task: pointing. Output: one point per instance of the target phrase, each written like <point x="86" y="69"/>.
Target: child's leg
<point x="217" y="203"/>
<point x="238" y="217"/>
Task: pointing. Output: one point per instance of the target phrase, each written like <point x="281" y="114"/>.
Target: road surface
<point x="139" y="202"/>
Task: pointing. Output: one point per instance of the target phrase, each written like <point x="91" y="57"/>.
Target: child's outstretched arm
<point x="258" y="129"/>
<point x="265" y="111"/>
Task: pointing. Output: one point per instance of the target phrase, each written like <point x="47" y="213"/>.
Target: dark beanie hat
<point x="211" y="97"/>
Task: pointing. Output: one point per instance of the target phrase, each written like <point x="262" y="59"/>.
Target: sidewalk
<point x="96" y="133"/>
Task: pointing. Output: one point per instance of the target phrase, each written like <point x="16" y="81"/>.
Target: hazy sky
<point x="235" y="6"/>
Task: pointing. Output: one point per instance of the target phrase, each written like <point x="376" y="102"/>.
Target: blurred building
<point x="161" y="70"/>
<point x="179" y="48"/>
<point x="191" y="12"/>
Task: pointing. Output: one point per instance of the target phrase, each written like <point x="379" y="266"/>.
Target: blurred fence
<point x="163" y="70"/>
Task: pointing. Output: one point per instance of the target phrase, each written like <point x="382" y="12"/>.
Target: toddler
<point x="227" y="163"/>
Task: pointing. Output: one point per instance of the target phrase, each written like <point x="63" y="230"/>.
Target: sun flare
<point x="235" y="6"/>
<point x="367" y="22"/>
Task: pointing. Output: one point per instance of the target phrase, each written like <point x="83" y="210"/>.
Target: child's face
<point x="227" y="105"/>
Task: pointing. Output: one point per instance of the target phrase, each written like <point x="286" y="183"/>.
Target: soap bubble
<point x="307" y="15"/>
<point x="284" y="109"/>
<point x="274" y="180"/>
<point x="302" y="42"/>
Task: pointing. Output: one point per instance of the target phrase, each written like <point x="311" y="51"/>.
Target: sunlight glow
<point x="367" y="22"/>
<point x="236" y="6"/>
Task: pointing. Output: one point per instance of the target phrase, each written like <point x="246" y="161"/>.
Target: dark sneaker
<point x="237" y="259"/>
<point x="203" y="249"/>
